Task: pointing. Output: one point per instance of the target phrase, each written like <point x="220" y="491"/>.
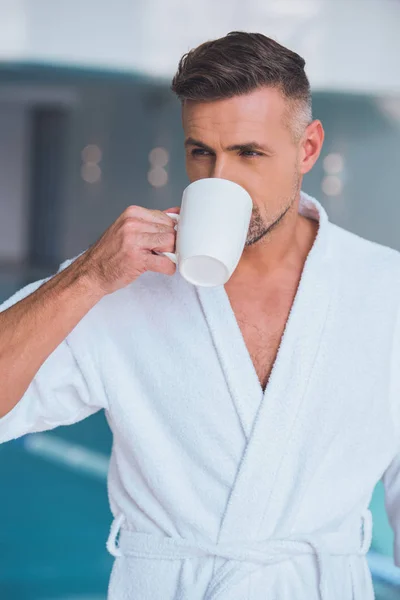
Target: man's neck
<point x="285" y="250"/>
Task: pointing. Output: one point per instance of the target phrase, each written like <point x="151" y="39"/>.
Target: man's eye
<point x="250" y="153"/>
<point x="245" y="153"/>
<point x="199" y="152"/>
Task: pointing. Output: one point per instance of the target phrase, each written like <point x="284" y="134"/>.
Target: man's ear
<point x="311" y="145"/>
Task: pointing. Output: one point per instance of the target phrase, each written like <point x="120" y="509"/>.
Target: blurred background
<point x="88" y="126"/>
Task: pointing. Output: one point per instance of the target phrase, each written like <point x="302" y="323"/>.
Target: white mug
<point x="211" y="232"/>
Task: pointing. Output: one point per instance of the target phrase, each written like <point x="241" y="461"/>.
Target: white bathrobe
<point x="217" y="489"/>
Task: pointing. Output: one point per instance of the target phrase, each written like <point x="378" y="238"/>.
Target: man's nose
<point x="222" y="169"/>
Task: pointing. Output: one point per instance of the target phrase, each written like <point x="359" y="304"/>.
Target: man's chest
<point x="262" y="325"/>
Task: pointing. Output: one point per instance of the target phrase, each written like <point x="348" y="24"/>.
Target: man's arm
<point x="31" y="329"/>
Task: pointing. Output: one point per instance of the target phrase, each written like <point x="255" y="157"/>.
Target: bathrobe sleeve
<point x="391" y="476"/>
<point x="65" y="390"/>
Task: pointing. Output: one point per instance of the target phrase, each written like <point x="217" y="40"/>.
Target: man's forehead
<point x="258" y="107"/>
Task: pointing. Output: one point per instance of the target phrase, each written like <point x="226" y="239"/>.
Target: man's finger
<point x="175" y="209"/>
<point x="146" y="214"/>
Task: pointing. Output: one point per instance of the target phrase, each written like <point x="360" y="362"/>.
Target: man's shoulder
<point x="149" y="282"/>
<point x="148" y="294"/>
<point x="361" y="258"/>
<point x="357" y="248"/>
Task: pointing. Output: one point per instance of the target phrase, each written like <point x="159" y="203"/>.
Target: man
<point x="251" y="421"/>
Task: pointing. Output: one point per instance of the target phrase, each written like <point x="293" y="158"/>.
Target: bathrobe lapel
<point x="268" y="418"/>
<point x="235" y="360"/>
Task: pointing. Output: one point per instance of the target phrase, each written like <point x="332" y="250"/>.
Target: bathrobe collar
<point x="311" y="300"/>
<point x="268" y="418"/>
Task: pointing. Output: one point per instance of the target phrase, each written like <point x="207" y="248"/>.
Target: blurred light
<point x="159" y="157"/>
<point x="67" y="454"/>
<point x="332" y="185"/>
<point x="91" y="173"/>
<point x="333" y="163"/>
<point x="157" y="176"/>
<point x="91" y="154"/>
<point x="390" y="106"/>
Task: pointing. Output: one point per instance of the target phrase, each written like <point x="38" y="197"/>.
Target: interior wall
<point x="125" y="122"/>
<point x="14" y="174"/>
<point x="127" y="118"/>
<point x="366" y="135"/>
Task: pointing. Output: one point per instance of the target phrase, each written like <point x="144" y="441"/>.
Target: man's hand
<point x="125" y="250"/>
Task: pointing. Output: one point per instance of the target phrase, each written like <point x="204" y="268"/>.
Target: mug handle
<point x="170" y="255"/>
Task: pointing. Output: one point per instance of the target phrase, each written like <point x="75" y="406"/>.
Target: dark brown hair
<point x="239" y="63"/>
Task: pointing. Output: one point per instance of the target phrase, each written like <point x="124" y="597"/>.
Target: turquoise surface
<point x="54" y="521"/>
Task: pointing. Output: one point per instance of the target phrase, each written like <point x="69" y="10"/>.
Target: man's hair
<point x="240" y="63"/>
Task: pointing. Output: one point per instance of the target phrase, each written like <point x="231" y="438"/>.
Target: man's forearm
<point x="31" y="329"/>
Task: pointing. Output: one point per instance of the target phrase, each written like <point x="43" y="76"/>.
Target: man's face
<point x="269" y="171"/>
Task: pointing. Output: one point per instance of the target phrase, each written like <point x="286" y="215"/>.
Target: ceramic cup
<point x="211" y="230"/>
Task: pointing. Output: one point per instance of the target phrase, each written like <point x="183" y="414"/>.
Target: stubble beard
<point x="258" y="229"/>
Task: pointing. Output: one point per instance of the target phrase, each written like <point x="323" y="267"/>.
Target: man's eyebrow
<point x="244" y="147"/>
